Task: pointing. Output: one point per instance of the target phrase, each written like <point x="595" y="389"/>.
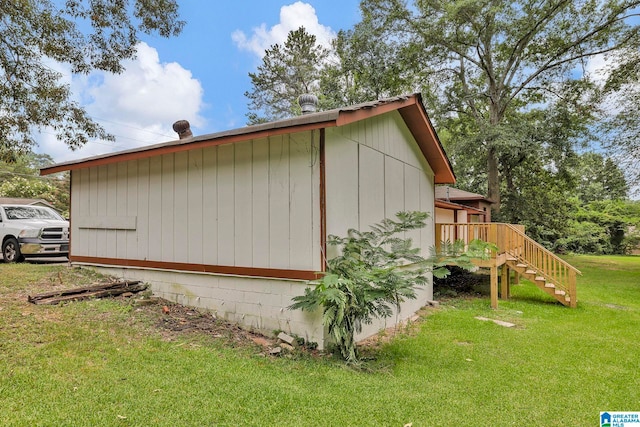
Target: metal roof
<point x="444" y="192"/>
<point x="410" y="108"/>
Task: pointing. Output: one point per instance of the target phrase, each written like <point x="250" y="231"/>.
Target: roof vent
<point x="183" y="129"/>
<point x="308" y="103"/>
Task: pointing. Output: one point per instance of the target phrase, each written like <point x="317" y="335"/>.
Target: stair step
<point x="549" y="285"/>
<point x="540" y="279"/>
<point x="530" y="272"/>
<point x="522" y="265"/>
<point x="567" y="298"/>
<point x="510" y="258"/>
<point x="560" y="292"/>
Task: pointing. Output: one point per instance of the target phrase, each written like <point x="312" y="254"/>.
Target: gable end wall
<point x="374" y="169"/>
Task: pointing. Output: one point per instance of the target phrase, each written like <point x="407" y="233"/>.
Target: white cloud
<point x="598" y="68"/>
<point x="138" y="106"/>
<point x="292" y="17"/>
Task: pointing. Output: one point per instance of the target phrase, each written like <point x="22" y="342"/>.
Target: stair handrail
<point x="542" y="248"/>
<point x="512" y="241"/>
<point x="548" y="265"/>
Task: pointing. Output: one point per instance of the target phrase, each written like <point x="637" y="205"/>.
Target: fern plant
<point x="376" y="271"/>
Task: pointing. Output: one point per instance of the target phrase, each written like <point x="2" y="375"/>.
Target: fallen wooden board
<point x="96" y="291"/>
<point x="497" y="322"/>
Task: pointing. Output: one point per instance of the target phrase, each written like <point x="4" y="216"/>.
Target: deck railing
<point x="515" y="244"/>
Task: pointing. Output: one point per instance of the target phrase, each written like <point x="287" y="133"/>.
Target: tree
<point x="21" y="179"/>
<point x="599" y="178"/>
<point x="486" y="58"/>
<point x="604" y="227"/>
<point x="85" y="35"/>
<point x="287" y="71"/>
<point x="362" y="68"/>
<point x="620" y="117"/>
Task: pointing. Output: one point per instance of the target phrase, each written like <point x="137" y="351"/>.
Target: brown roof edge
<point x="450" y="193"/>
<point x="208" y="140"/>
<point x="449" y="205"/>
<point x="410" y="107"/>
<point x="430" y="142"/>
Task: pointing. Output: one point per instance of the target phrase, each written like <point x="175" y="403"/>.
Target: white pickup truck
<point x="32" y="231"/>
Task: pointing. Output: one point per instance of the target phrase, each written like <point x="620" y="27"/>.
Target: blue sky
<point x="200" y="76"/>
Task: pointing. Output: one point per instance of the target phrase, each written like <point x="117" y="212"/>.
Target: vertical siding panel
<point x="195" y="203"/>
<point x="300" y="202"/>
<point x="181" y="208"/>
<point x="210" y="205"/>
<point x="409" y="148"/>
<point x="260" y="213"/>
<point x="156" y="229"/>
<point x="92" y="191"/>
<point x="316" y="245"/>
<point x="371" y="192"/>
<point x="279" y="202"/>
<point x="112" y="208"/>
<point x="141" y="178"/>
<point x="427" y="200"/>
<point x="80" y="245"/>
<point x="378" y="130"/>
<point x="368" y="131"/>
<point x="412" y="201"/>
<point x="120" y="250"/>
<point x="226" y="214"/>
<point x="168" y="205"/>
<point x="395" y="142"/>
<point x="132" y="209"/>
<point x="393" y="187"/>
<point x="342" y="186"/>
<point x="243" y="223"/>
<point x="102" y="201"/>
<point x="76" y="211"/>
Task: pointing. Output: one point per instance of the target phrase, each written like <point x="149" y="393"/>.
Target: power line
<point x="132" y="127"/>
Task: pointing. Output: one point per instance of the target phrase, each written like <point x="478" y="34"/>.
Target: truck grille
<point x="55" y="233"/>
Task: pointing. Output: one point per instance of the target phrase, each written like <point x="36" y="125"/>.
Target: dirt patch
<point x="176" y="322"/>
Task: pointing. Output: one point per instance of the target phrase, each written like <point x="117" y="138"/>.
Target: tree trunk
<point x="493" y="174"/>
<point x="493" y="179"/>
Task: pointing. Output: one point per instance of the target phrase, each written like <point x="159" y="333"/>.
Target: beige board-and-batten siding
<point x="374" y="169"/>
<point x="253" y="204"/>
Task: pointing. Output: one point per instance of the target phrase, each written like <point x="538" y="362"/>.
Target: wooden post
<point x="504" y="282"/>
<point x="573" y="292"/>
<point x="516" y="277"/>
<point x="493" y="238"/>
<point x="438" y="237"/>
<point x="494" y="286"/>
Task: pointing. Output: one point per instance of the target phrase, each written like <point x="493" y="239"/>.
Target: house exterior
<point x="458" y="206"/>
<point x="236" y="222"/>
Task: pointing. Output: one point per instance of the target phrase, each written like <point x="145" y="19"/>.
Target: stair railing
<point x="546" y="264"/>
<point x="512" y="241"/>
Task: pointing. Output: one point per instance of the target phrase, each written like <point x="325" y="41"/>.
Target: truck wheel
<point x="11" y="251"/>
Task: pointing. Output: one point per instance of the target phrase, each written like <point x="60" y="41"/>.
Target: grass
<point x="101" y="363"/>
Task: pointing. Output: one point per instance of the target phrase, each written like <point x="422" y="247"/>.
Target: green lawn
<point x="100" y="363"/>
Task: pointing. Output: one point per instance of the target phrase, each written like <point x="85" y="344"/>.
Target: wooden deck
<point x="517" y="252"/>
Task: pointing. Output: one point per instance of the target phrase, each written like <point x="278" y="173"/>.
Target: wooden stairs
<point x="549" y="285"/>
<point x="519" y="253"/>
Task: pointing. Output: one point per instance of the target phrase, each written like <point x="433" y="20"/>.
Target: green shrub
<point x="376" y="271"/>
